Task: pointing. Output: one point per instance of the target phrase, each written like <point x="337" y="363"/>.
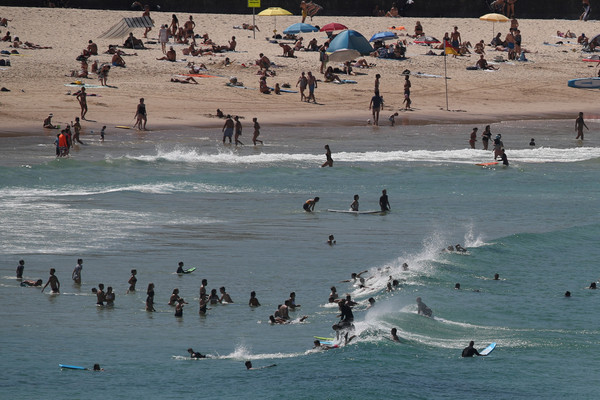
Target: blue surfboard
<point x="71" y="367"/>
<point x="488" y="349"/>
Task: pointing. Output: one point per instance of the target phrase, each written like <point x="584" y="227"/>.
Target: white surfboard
<point x="357" y="212"/>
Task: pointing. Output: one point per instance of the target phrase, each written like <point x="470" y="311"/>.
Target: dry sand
<point x="532" y="90"/>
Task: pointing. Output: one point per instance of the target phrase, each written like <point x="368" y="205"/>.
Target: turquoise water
<point x="148" y="201"/>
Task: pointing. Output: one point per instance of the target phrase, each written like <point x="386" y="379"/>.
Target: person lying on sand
<point x="186" y="80"/>
<point x="194" y="69"/>
<point x="171" y="55"/>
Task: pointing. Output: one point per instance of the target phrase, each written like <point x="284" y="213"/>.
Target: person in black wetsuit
<point x="180" y="268"/>
<point x="384" y="203"/>
<point x="193" y="354"/>
<point x="503" y="158"/>
<point x="470" y="351"/>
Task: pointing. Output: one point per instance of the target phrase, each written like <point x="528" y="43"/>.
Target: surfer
<point x="329" y="161"/>
<point x="354" y="276"/>
<point x="423" y="309"/>
<point x="318" y="345"/>
<point x="76" y="275"/>
<point x="53" y="282"/>
<point x="384" y="202"/>
<point x="460" y="249"/>
<point x="97" y="367"/>
<point x="20" y="269"/>
<point x="333" y="295"/>
<point x="180" y="268"/>
<point x="193" y="354"/>
<point x="470" y="351"/>
<point x="309" y="205"/>
<point x="395" y="337"/>
<point x="457" y="286"/>
<point x="592" y="285"/>
<point x="579" y="124"/>
<point x="354" y="205"/>
<point x="253" y="302"/>
<point x="132" y="281"/>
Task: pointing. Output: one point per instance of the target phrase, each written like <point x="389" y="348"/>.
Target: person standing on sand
<point x="312" y="84"/>
<point x="377" y="77"/>
<point x="141" y="115"/>
<point x="302" y="83"/>
<point x="256" y="131"/>
<point x="473" y="138"/>
<point x="227" y="129"/>
<point x="238" y="130"/>
<point x="147" y="14"/>
<point x="82" y="98"/>
<point x="579" y="124"/>
<point x="329" y="161"/>
<point x="163" y="37"/>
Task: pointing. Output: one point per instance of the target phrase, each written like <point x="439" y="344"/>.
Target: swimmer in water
<point x="331" y="240"/>
<point x="97" y="367"/>
<point x="180" y="268"/>
<point x="371" y="302"/>
<point x="423" y="309"/>
<point x="592" y="285"/>
<point x="53" y="282"/>
<point x="333" y="295"/>
<point x="460" y="249"/>
<point x="457" y="286"/>
<point x="496" y="277"/>
<point x="27" y="283"/>
<point x="395" y="337"/>
<point x="225" y="297"/>
<point x="253" y="302"/>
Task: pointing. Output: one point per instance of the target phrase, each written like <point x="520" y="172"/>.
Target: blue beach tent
<point x="350" y="39"/>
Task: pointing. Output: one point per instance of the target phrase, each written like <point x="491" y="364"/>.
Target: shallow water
<point x="147" y="201"/>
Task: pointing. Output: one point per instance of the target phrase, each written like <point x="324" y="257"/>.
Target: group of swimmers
<point x="384" y="203"/>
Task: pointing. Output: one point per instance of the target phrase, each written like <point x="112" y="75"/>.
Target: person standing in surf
<point x="579" y="124"/>
<point x="354" y="205"/>
<point x="384" y="202"/>
<point x="329" y="161"/>
<point x="53" y="282"/>
<point x="141" y="116"/>
<point x="486" y="136"/>
<point x="238" y="130"/>
<point x="473" y="138"/>
<point x="256" y="131"/>
<point x="20" y="269"/>
<point x="470" y="351"/>
<point x="132" y="281"/>
<point x="76" y="275"/>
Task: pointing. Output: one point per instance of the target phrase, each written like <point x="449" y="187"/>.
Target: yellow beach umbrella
<point x="274" y="12"/>
<point x="493" y="18"/>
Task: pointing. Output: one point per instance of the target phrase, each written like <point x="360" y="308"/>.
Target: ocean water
<point x="149" y="200"/>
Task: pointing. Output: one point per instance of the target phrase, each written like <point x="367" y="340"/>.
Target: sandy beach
<point x="518" y="90"/>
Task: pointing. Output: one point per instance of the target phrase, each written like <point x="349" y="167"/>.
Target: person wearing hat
<point x="48" y="122"/>
<point x="498" y="146"/>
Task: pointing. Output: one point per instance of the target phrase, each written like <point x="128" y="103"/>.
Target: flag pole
<point x="446" y="75"/>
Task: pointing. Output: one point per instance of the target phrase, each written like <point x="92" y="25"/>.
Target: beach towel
<point x="126" y="25"/>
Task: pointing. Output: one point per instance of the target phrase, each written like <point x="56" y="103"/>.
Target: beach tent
<point x="350" y="40"/>
<point x="126" y="25"/>
<point x="299" y="27"/>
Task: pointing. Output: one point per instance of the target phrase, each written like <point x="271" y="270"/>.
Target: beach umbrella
<point x="343" y="55"/>
<point x="383" y="36"/>
<point x="350" y="39"/>
<point x="427" y="40"/>
<point x="299" y="27"/>
<point x="334" y="26"/>
<point x="274" y="12"/>
<point x="493" y="18"/>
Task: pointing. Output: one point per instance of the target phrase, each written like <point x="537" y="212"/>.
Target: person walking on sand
<point x="579" y="124"/>
<point x="312" y="85"/>
<point x="82" y="98"/>
<point x="329" y="161"/>
<point x="238" y="130"/>
<point x="141" y="116"/>
<point x="256" y="131"/>
<point x="302" y="83"/>
<point x="407" y="86"/>
<point x="473" y="138"/>
<point x="147" y="14"/>
<point x="376" y="105"/>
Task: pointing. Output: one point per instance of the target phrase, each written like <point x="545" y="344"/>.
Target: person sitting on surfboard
<point x="470" y="351"/>
<point x="354" y="205"/>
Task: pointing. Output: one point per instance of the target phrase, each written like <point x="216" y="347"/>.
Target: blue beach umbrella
<point x="383" y="36"/>
<point x="350" y="39"/>
<point x="299" y="28"/>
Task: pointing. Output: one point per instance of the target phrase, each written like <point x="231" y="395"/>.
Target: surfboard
<point x="123" y="127"/>
<point x="487" y="164"/>
<point x="584" y="83"/>
<point x="488" y="349"/>
<point x="357" y="212"/>
<point x="187" y="271"/>
<point x="330" y="339"/>
<point x="71" y="367"/>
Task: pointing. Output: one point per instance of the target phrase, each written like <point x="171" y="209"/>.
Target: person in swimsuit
<point x="256" y="131"/>
<point x="141" y="116"/>
<point x="28" y="282"/>
<point x="82" y="98"/>
<point x="228" y="129"/>
<point x="384" y="202"/>
<point x="455" y="39"/>
<point x="132" y="281"/>
<point x="109" y="297"/>
<point x="150" y="298"/>
<point x="312" y="84"/>
<point x="238" y="130"/>
<point x="331" y="240"/>
<point x="179" y="308"/>
<point x="579" y="124"/>
<point x="20" y="269"/>
<point x="470" y="351"/>
<point x="76" y="275"/>
<point x="253" y="302"/>
<point x="329" y="161"/>
<point x="225" y="297"/>
<point x="376" y="105"/>
<point x="407" y="86"/>
<point x="422" y="308"/>
<point x="498" y="146"/>
<point x="473" y="138"/>
<point x="354" y="205"/>
<point x="174" y="297"/>
<point x="395" y="337"/>
<point x="485" y="137"/>
<point x="53" y="282"/>
<point x="214" y="297"/>
<point x="302" y="83"/>
<point x="309" y="205"/>
<point x="77" y="129"/>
